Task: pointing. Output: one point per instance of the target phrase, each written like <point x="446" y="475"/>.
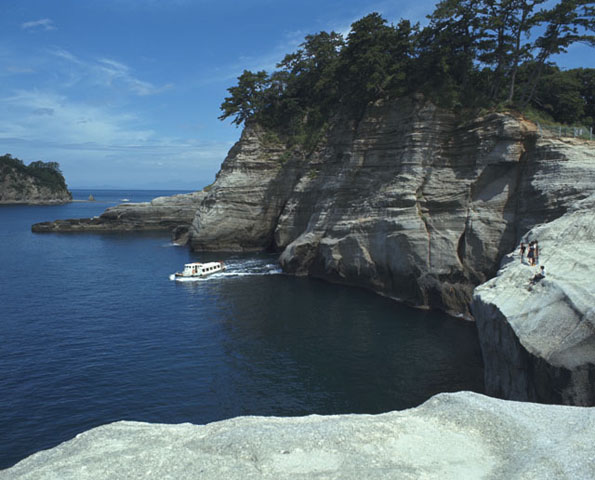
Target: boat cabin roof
<point x="198" y="264"/>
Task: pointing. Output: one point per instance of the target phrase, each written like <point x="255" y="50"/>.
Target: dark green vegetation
<point x="46" y="174"/>
<point x="472" y="55"/>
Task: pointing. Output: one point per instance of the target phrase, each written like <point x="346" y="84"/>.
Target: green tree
<point x="567" y="96"/>
<point x="521" y="25"/>
<point x="447" y="50"/>
<point x="247" y="99"/>
<point x="568" y="22"/>
<point x="586" y="78"/>
<point x="369" y="60"/>
<point x="310" y="73"/>
<point x="506" y="26"/>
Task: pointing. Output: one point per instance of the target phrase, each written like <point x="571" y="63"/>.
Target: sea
<point x="93" y="331"/>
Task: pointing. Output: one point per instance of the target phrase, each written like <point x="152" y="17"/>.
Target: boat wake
<point x="237" y="268"/>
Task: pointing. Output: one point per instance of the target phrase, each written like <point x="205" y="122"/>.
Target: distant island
<point x="39" y="183"/>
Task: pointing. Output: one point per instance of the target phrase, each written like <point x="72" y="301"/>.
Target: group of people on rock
<point x="533" y="259"/>
<point x="532" y="255"/>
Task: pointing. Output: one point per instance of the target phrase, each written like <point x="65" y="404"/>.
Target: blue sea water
<point x="92" y="331"/>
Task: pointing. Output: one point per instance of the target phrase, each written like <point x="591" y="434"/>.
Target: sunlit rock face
<point x="462" y="435"/>
<point x="410" y="201"/>
<point x="538" y="338"/>
<point x="243" y="205"/>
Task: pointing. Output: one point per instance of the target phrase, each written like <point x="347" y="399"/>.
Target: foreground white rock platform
<point x="451" y="436"/>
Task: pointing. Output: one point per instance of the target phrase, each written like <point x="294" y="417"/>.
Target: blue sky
<point x="126" y="93"/>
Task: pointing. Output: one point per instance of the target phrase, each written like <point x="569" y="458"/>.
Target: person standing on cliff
<point x="531" y="254"/>
<point x="536" y="258"/>
<point x="523" y="248"/>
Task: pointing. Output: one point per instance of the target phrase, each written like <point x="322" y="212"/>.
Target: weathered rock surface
<point x="173" y="213"/>
<point x="19" y="188"/>
<point x="407" y="202"/>
<point x="538" y="341"/>
<point x="451" y="436"/>
<point x="242" y="208"/>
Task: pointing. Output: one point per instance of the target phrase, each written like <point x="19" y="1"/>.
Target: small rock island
<point x="39" y="183"/>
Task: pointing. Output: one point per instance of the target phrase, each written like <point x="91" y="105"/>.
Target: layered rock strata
<point x="538" y="338"/>
<point x="243" y="206"/>
<point x="407" y="202"/>
<point x="462" y="435"/>
<point x="173" y="213"/>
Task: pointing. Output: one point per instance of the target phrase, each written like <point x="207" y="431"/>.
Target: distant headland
<point x="39" y="183"/>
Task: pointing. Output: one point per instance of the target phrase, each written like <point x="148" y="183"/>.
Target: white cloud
<point x="103" y="72"/>
<point x="113" y="71"/>
<point x="95" y="144"/>
<point x="45" y="116"/>
<point x="17" y="70"/>
<point x="44" y="24"/>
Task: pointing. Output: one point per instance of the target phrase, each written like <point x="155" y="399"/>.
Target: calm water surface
<point x="93" y="331"/>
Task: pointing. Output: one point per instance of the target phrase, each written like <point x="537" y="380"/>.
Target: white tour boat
<point x="198" y="270"/>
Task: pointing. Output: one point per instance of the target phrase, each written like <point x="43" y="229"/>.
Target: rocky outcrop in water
<point x="538" y="338"/>
<point x="36" y="184"/>
<point x="408" y="202"/>
<point x="462" y="435"/>
<point x="173" y="213"/>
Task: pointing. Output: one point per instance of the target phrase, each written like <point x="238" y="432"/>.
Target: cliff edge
<point x="538" y="337"/>
<point x="461" y="435"/>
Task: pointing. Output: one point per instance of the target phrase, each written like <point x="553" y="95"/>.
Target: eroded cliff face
<point x="243" y="206"/>
<point x="408" y="202"/>
<point x="18" y="188"/>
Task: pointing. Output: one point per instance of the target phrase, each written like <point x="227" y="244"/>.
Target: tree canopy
<point x="45" y="173"/>
<point x="472" y="54"/>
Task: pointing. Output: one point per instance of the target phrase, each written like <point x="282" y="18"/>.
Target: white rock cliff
<point x="451" y="436"/>
<point x="408" y="202"/>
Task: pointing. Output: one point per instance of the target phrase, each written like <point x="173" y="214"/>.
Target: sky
<point x="126" y="93"/>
